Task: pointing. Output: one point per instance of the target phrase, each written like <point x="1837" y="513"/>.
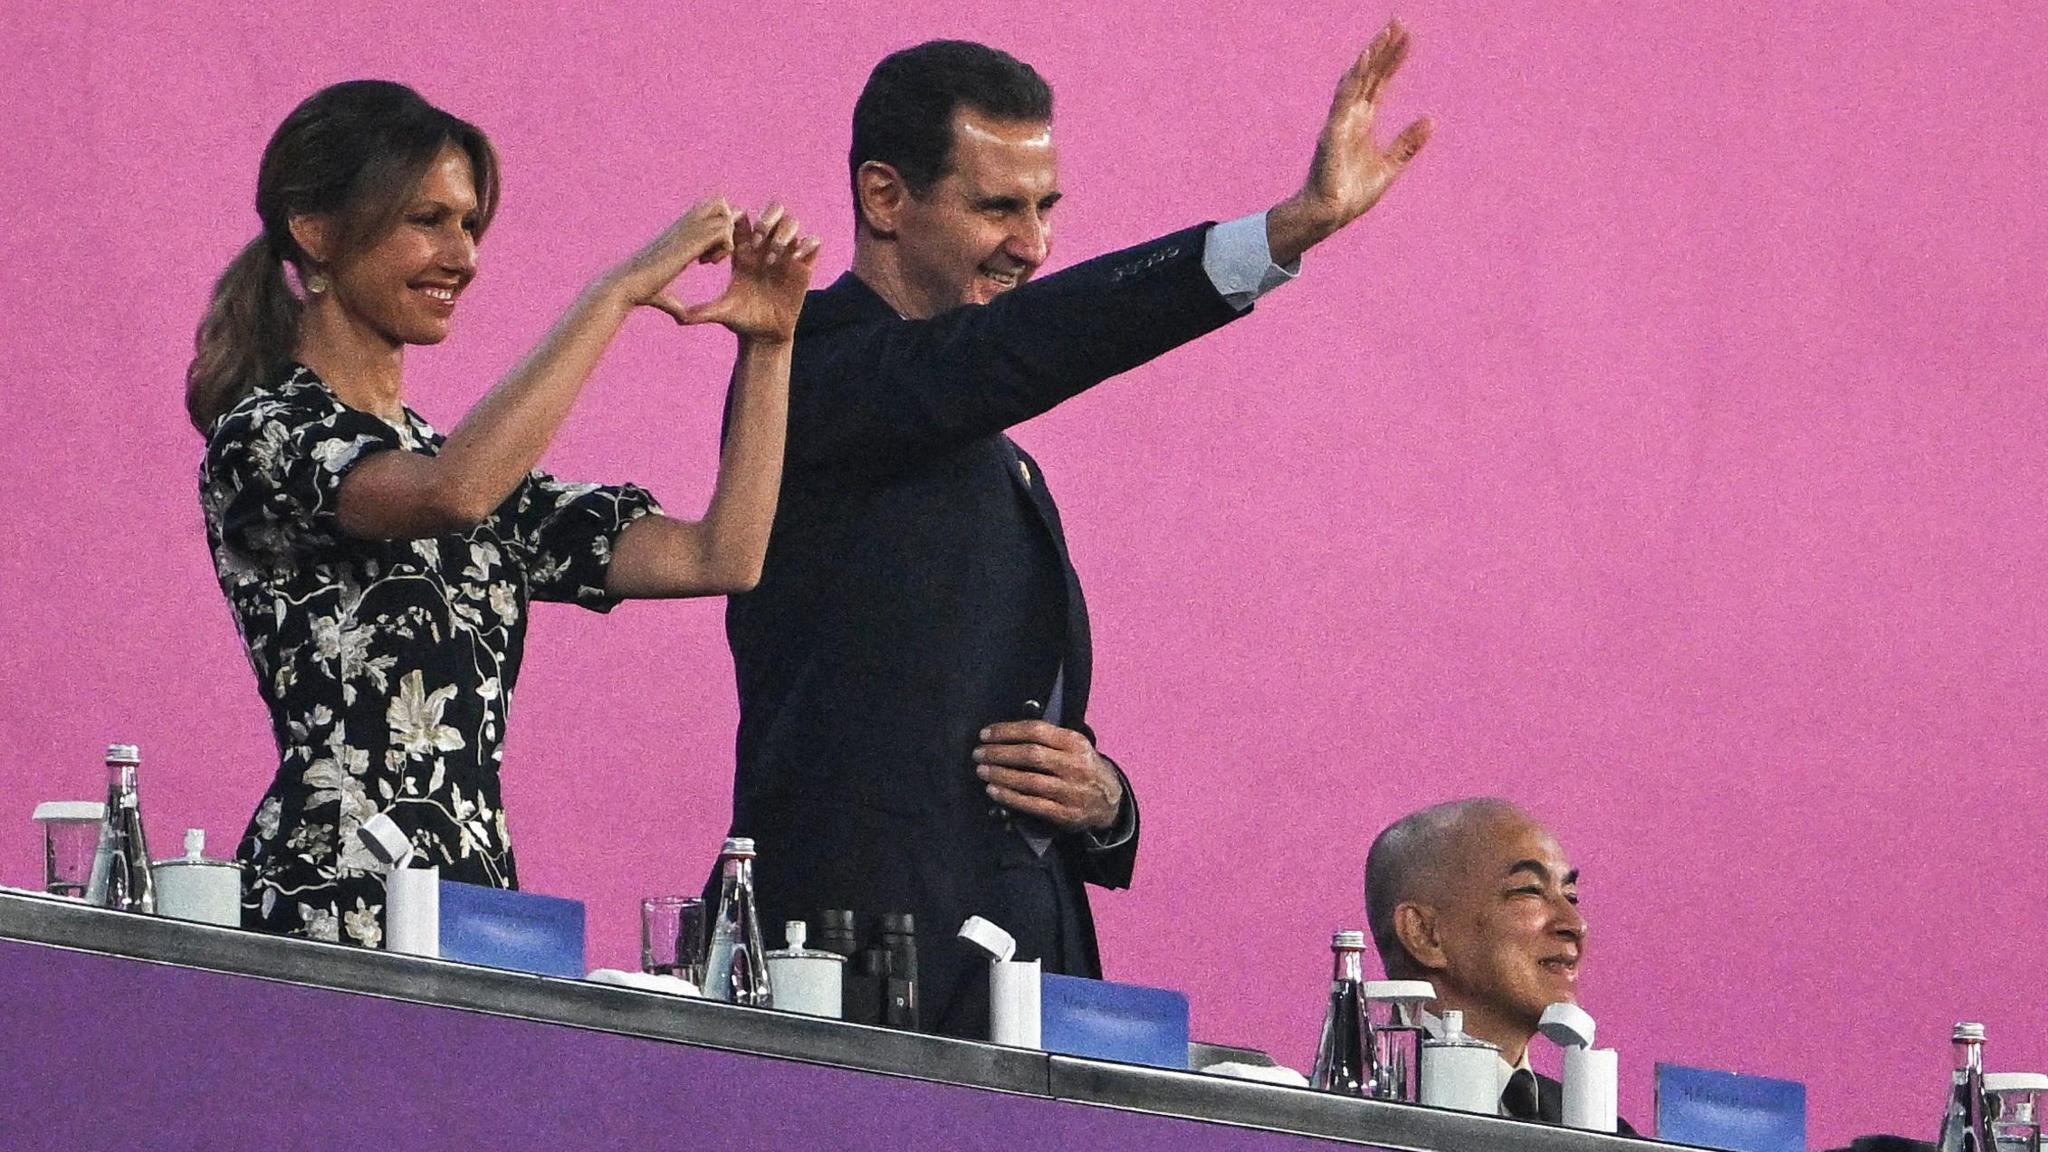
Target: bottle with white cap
<point x="1966" y="1124"/>
<point x="735" y="969"/>
<point x="1341" y="1053"/>
<point x="121" y="876"/>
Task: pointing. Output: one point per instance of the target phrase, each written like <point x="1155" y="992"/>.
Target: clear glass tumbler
<point x="1393" y="1010"/>
<point x="2010" y="1097"/>
<point x="71" y="837"/>
<point x="672" y="937"/>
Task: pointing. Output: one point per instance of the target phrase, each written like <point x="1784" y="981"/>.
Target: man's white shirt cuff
<point x="1240" y="264"/>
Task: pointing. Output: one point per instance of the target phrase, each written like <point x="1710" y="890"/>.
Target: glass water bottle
<point x="1341" y="1055"/>
<point x="1966" y="1126"/>
<point x="736" y="969"/>
<point x="121" y="876"/>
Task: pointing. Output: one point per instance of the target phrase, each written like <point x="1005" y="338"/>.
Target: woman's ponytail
<point x="250" y="328"/>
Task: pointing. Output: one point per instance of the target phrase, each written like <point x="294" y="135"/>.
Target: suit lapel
<point x="1078" y="654"/>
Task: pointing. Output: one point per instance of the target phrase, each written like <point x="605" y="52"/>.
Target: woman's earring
<point x="316" y="282"/>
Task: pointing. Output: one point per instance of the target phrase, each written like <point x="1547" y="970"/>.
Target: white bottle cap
<point x="1454" y="1025"/>
<point x="738" y="846"/>
<point x="796" y="932"/>
<point x="1350" y="939"/>
<point x="1399" y="991"/>
<point x="123" y="754"/>
<point x="385" y="840"/>
<point x="50" y="810"/>
<point x="1567" y="1025"/>
<point x="195" y="844"/>
<point x="2015" y="1082"/>
<point x="1000" y="945"/>
<point x="1968" y="1031"/>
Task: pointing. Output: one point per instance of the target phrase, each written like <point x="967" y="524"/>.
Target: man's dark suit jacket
<point x="917" y="588"/>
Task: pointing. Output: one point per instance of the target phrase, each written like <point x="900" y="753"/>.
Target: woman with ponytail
<point x="379" y="572"/>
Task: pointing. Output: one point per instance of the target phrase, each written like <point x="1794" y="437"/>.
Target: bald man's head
<point x="1477" y="898"/>
<point x="1422" y="857"/>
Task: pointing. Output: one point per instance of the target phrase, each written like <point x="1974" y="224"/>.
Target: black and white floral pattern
<point x="388" y="666"/>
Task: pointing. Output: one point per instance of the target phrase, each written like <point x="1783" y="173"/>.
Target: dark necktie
<point x="1519" y="1097"/>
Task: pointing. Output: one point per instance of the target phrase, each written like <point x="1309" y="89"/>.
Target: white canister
<point x="806" y="980"/>
<point x="1015" y="987"/>
<point x="412" y="911"/>
<point x="1460" y="1071"/>
<point x="195" y="888"/>
<point x="1589" y="1088"/>
<point x="1015" y="1013"/>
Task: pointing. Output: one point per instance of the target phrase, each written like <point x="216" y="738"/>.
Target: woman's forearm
<point x="661" y="557"/>
<point x="742" y="508"/>
<point x="500" y="439"/>
<point x="405" y="494"/>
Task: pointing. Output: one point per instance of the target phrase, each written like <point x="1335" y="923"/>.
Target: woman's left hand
<point x="771" y="270"/>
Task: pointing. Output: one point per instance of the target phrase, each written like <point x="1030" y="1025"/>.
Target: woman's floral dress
<point x="388" y="666"/>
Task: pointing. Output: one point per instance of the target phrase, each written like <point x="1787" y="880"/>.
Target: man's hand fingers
<point x="1410" y="141"/>
<point x="1028" y="783"/>
<point x="1051" y="811"/>
<point x="1033" y="732"/>
<point x="1384" y="57"/>
<point x="1027" y="757"/>
<point x="1054" y="786"/>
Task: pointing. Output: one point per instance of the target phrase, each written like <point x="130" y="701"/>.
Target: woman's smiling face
<point x="403" y="286"/>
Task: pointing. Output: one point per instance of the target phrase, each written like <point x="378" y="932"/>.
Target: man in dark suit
<point x="914" y="666"/>
<point x="1477" y="898"/>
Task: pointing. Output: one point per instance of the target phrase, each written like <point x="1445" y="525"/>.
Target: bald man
<point x="1477" y="898"/>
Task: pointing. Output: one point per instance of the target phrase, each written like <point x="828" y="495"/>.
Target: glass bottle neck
<point x="120" y="784"/>
<point x="1969" y="1057"/>
<point x="1345" y="965"/>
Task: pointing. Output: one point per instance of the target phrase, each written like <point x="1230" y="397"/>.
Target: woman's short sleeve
<point x="274" y="467"/>
<point x="568" y="531"/>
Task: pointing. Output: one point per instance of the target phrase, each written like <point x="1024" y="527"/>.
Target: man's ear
<point x="1416" y="927"/>
<point x="314" y="234"/>
<point x="881" y="193"/>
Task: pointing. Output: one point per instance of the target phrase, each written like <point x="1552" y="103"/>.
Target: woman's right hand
<point x="702" y="236"/>
<point x="771" y="270"/>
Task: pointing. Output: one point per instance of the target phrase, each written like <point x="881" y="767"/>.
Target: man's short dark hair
<point x="904" y="117"/>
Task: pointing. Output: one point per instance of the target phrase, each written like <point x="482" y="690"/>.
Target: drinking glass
<point x="672" y="937"/>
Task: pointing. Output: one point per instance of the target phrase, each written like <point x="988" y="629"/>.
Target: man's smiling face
<point x="985" y="226"/>
<point x="1510" y="927"/>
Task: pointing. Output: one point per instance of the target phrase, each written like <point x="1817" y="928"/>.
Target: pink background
<point x="1664" y="454"/>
